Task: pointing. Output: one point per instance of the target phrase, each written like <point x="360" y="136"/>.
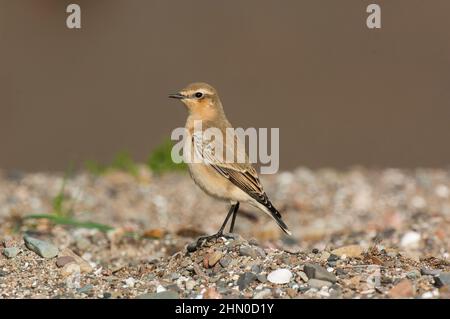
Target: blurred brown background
<point x="341" y="94"/>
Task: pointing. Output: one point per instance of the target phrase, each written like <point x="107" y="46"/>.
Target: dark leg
<point x="200" y="240"/>
<point x="236" y="208"/>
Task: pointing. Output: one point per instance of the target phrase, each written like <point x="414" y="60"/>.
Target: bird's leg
<point x="200" y="240"/>
<point x="236" y="208"/>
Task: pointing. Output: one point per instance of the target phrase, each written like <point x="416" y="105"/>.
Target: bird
<point x="233" y="181"/>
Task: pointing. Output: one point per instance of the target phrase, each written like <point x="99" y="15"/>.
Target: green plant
<point x="160" y="160"/>
<point x="61" y="212"/>
<point x="122" y="161"/>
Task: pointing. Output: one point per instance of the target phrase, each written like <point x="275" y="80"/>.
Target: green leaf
<point x="61" y="220"/>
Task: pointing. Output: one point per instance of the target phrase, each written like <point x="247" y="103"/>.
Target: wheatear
<point x="226" y="180"/>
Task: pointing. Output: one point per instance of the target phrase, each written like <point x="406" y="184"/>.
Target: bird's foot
<point x="216" y="236"/>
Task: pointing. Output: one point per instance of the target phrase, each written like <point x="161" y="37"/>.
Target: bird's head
<point x="201" y="99"/>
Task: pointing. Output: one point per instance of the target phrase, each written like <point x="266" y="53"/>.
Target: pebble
<point x="333" y="258"/>
<point x="84" y="265"/>
<point x="280" y="276"/>
<point x="410" y="240"/>
<point x="248" y="251"/>
<point x="315" y="271"/>
<point x="318" y="284"/>
<point x="130" y="282"/>
<point x="261" y="278"/>
<point x="40" y="247"/>
<point x="245" y="279"/>
<point x="256" y="269"/>
<point x="263" y="294"/>
<point x="443" y="279"/>
<point x="429" y="272"/>
<point x="62" y="261"/>
<point x="160" y="295"/>
<point x="11" y="252"/>
<point x="403" y="289"/>
<point x="190" y="284"/>
<point x="70" y="269"/>
<point x="85" y="289"/>
<point x="302" y="276"/>
<point x="214" y="258"/>
<point x="352" y="251"/>
<point x="225" y="261"/>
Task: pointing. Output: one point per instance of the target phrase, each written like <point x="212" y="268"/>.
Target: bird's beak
<point x="177" y="96"/>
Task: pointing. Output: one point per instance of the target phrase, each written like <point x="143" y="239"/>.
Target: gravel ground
<point x="357" y="233"/>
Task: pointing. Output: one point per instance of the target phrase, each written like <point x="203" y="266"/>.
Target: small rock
<point x="333" y="258"/>
<point x="352" y="251"/>
<point x="214" y="258"/>
<point x="302" y="276"/>
<point x="443" y="279"/>
<point x="62" y="261"/>
<point x="225" y="261"/>
<point x="256" y="269"/>
<point x="261" y="278"/>
<point x="410" y="240"/>
<point x="315" y="271"/>
<point x="11" y="252"/>
<point x="245" y="279"/>
<point x="85" y="289"/>
<point x="429" y="272"/>
<point x="318" y="284"/>
<point x="190" y="284"/>
<point x="413" y="274"/>
<point x="280" y="276"/>
<point x="291" y="292"/>
<point x="40" y="247"/>
<point x="84" y="265"/>
<point x="403" y="289"/>
<point x="69" y="269"/>
<point x="247" y="251"/>
<point x="160" y="295"/>
<point x="324" y="256"/>
<point x="130" y="282"/>
<point x="260" y="252"/>
<point x="211" y="293"/>
<point x="263" y="294"/>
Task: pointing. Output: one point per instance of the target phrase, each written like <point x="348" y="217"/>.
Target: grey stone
<point x="443" y="279"/>
<point x="256" y="269"/>
<point x="245" y="279"/>
<point x="11" y="252"/>
<point x="160" y="295"/>
<point x="430" y="272"/>
<point x="315" y="271"/>
<point x="261" y="278"/>
<point x="40" y="247"/>
<point x="247" y="251"/>
<point x="85" y="289"/>
<point x="225" y="261"/>
<point x="318" y="284"/>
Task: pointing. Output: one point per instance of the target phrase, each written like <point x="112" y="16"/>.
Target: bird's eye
<point x="198" y="95"/>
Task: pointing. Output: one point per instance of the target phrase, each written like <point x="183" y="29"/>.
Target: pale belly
<point x="213" y="183"/>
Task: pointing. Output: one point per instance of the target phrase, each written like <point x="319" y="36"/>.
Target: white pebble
<point x="130" y="282"/>
<point x="160" y="288"/>
<point x="280" y="276"/>
<point x="410" y="239"/>
<point x="442" y="191"/>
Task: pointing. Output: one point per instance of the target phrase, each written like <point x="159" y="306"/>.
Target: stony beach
<point x="357" y="233"/>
